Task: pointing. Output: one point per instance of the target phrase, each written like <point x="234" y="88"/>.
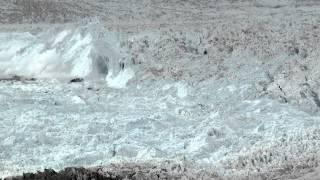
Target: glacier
<point x="149" y="97"/>
<point x="74" y="52"/>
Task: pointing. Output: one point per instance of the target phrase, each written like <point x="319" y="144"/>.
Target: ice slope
<point x="64" y="54"/>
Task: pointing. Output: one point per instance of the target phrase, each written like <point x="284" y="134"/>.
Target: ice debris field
<point x="122" y="112"/>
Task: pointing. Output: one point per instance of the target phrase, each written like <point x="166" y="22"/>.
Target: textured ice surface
<point x="53" y="125"/>
<point x="238" y="93"/>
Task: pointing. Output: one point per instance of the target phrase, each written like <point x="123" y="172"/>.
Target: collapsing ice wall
<point x="83" y="52"/>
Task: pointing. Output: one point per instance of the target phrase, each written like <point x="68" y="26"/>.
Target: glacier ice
<point x="62" y="54"/>
<point x="227" y="123"/>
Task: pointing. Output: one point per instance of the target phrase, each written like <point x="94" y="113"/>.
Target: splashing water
<point x="64" y="54"/>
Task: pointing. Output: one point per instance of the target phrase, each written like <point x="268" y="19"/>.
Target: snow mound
<point x="85" y="52"/>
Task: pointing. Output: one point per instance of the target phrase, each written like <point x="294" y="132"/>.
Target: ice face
<point x="74" y="52"/>
<point x="121" y="79"/>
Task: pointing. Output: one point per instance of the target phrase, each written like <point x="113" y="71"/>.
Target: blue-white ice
<point x="63" y="54"/>
<point x="222" y="123"/>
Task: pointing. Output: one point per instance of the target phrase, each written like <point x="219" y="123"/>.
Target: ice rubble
<point x="64" y="54"/>
<point x="228" y="123"/>
<point x="88" y="128"/>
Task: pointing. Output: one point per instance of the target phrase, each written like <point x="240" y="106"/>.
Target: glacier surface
<point x="126" y="111"/>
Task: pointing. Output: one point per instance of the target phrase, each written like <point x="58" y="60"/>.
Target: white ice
<point x="74" y="52"/>
<point x="218" y="123"/>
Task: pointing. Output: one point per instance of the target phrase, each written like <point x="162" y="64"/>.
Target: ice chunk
<point x="120" y="80"/>
<point x="182" y="90"/>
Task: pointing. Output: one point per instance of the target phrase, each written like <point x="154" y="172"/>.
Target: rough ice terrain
<point x="234" y="92"/>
